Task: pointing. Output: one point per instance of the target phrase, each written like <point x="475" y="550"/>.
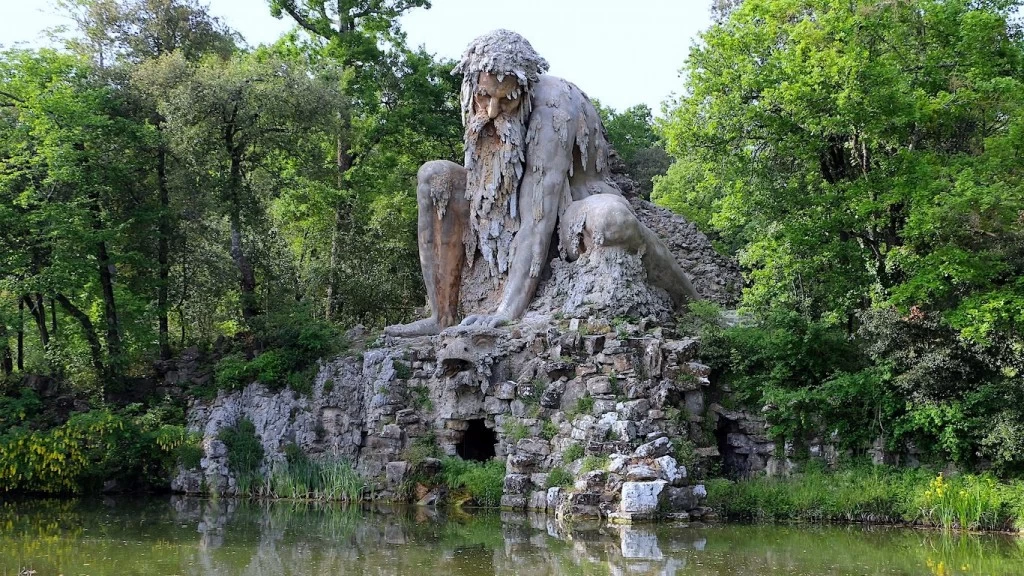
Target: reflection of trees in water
<point x="202" y="537"/>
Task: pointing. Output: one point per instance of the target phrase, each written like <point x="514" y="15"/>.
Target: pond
<point x="173" y="535"/>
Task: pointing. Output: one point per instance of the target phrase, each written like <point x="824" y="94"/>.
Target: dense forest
<point x="165" y="187"/>
<point x="865" y="162"/>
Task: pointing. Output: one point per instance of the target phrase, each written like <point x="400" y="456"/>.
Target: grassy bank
<point x="875" y="494"/>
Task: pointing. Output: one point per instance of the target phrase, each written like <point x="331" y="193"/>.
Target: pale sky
<point x="620" y="52"/>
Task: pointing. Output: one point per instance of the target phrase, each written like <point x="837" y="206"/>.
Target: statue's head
<point x="499" y="70"/>
<point x="500" y="65"/>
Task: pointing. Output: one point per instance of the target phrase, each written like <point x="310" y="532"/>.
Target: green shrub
<point x="480" y="482"/>
<point x="530" y="393"/>
<point x="558" y="477"/>
<point x="15" y="410"/>
<point x="421" y="397"/>
<point x="549" y="430"/>
<point x="572" y="453"/>
<point x="288" y="342"/>
<point x="402" y="370"/>
<point x="591" y="463"/>
<point x="585" y="404"/>
<point x="516" y="431"/>
<point x="232" y="372"/>
<point x="271" y="368"/>
<point x="422" y="448"/>
<point x="135" y="448"/>
<point x="245" y="452"/>
<point x="684" y="452"/>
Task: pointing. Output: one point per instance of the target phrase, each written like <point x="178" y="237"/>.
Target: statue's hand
<point x="486" y="321"/>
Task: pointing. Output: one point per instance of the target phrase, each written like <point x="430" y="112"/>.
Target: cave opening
<point x="477" y="442"/>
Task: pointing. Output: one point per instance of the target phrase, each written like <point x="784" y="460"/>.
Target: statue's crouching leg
<point x="608" y="220"/>
<point x="442" y="221"/>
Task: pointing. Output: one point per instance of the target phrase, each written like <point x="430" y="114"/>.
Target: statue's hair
<point x="502" y="53"/>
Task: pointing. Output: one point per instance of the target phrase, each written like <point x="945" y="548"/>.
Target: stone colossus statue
<point x="536" y="168"/>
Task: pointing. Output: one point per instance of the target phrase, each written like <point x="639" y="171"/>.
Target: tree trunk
<point x="21" y="335"/>
<point x="38" y="312"/>
<point x="163" y="251"/>
<point x="6" y="361"/>
<point x="341" y="209"/>
<point x="53" y="318"/>
<point x="95" y="349"/>
<point x="109" y="305"/>
<point x="247" y="278"/>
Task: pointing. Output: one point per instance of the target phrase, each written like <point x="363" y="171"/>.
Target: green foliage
<point x="874" y="494"/>
<point x="421" y="397"/>
<point x="684" y="452"/>
<point x="481" y="482"/>
<point x="516" y="431"/>
<point x="549" y="430"/>
<point x="633" y="135"/>
<point x="531" y="392"/>
<point x="15" y="410"/>
<point x="591" y="463"/>
<point x="876" y="207"/>
<point x="134" y="448"/>
<point x="245" y="452"/>
<point x="558" y="476"/>
<point x="208" y="177"/>
<point x="420" y="449"/>
<point x="572" y="453"/>
<point x="585" y="404"/>
<point x="402" y="370"/>
<point x="293" y="344"/>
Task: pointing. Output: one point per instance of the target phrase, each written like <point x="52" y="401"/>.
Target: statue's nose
<point x="493" y="108"/>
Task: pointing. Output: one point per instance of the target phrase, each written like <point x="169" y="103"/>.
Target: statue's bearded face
<point x="495" y="135"/>
<point x="495" y="97"/>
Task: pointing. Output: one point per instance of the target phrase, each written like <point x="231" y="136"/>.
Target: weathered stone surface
<point x="655" y="449"/>
<point x="641" y="497"/>
<point x="517" y="483"/>
<point x="538" y="500"/>
<point x="634" y="409"/>
<point x="395" y="472"/>
<point x="641" y="472"/>
<point x="681" y="499"/>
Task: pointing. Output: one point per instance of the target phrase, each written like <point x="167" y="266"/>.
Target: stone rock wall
<point x="614" y="405"/>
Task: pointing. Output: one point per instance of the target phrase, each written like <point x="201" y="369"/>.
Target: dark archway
<point x="477" y="442"/>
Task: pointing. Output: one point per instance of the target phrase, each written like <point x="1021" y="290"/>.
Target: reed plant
<point x="968" y="502"/>
<point x="875" y="495"/>
<point x="329" y="479"/>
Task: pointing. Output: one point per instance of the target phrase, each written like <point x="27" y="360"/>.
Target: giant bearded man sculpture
<point x="536" y="167"/>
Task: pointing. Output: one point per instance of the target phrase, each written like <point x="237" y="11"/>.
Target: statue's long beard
<point x="494" y="160"/>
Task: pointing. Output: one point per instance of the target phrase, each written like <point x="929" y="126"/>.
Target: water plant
<point x="480" y="483"/>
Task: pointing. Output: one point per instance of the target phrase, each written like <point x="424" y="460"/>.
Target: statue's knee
<point x="614" y="224"/>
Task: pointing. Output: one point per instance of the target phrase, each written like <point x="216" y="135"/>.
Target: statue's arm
<point x="545" y="180"/>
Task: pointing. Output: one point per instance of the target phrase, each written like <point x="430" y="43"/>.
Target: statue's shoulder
<point x="554" y="92"/>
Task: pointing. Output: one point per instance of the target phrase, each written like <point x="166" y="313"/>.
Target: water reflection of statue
<point x="535" y="167"/>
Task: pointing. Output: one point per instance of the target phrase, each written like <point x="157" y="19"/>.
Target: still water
<point x="187" y="536"/>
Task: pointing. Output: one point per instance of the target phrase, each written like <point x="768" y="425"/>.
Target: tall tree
<point x="355" y="32"/>
<point x="127" y="34"/>
<point x="231" y="117"/>
<point x="66" y="180"/>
